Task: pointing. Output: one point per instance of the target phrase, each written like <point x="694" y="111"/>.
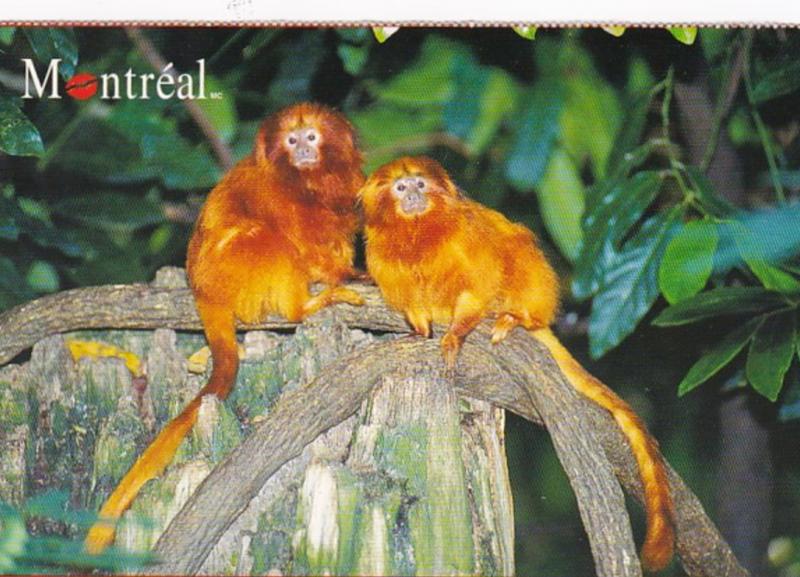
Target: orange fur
<point x="267" y="232"/>
<point x="455" y="262"/>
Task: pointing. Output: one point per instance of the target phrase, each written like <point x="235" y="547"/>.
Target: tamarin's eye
<point x="292" y="140"/>
<point x="420" y="184"/>
<point x="312" y="137"/>
<point x="401" y="187"/>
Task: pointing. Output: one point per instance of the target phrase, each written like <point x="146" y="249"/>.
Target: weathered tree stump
<point x="344" y="448"/>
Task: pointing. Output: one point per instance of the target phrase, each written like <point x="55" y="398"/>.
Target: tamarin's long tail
<point x="221" y="335"/>
<point x="659" y="541"/>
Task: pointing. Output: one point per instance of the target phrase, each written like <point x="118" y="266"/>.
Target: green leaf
<point x="684" y="34"/>
<point x="720" y="302"/>
<point x="606" y="221"/>
<point x="592" y="111"/>
<point x="783" y="80"/>
<point x="688" y="261"/>
<point x="7" y="35"/>
<point x="499" y="99"/>
<point x="111" y="211"/>
<point x="535" y="135"/>
<point x="770" y="276"/>
<point x="221" y="112"/>
<point x="18" y="135"/>
<point x="630" y="285"/>
<point x="771" y="354"/>
<point x="626" y="153"/>
<point x="382" y="33"/>
<point x="353" y="57"/>
<point x="42" y="277"/>
<point x="614" y="30"/>
<point x="49" y="43"/>
<point x="180" y="165"/>
<point x="704" y="190"/>
<point x="427" y="81"/>
<point x="384" y="128"/>
<point x="719" y="355"/>
<point x="561" y="201"/>
<point x="527" y="32"/>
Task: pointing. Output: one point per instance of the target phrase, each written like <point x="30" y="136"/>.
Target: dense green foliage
<point x="576" y="133"/>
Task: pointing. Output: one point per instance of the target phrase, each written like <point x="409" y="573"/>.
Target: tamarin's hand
<point x="441" y="258"/>
<point x="282" y="219"/>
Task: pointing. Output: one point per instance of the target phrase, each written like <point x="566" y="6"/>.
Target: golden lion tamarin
<point x="441" y="258"/>
<point x="282" y="219"/>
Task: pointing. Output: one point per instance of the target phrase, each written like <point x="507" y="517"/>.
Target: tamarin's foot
<point x="451" y="344"/>
<point x="420" y="323"/>
<point x="505" y="324"/>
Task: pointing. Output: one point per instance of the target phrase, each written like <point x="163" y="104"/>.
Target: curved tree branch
<point x="518" y="375"/>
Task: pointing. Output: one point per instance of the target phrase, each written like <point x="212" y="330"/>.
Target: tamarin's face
<point x="411" y="194"/>
<point x="302" y="146"/>
<point x="309" y="138"/>
<point x="408" y="188"/>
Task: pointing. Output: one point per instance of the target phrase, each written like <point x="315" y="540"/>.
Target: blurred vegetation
<point x="574" y="132"/>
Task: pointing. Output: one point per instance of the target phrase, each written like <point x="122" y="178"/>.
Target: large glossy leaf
<point x="783" y="80"/>
<point x="112" y="211"/>
<point x="18" y="135"/>
<point x="688" y="261"/>
<point x="771" y="354"/>
<point x="630" y="131"/>
<point x="719" y="355"/>
<point x="720" y="302"/>
<point x="752" y="251"/>
<point x="428" y="80"/>
<point x="387" y="131"/>
<point x="606" y="221"/>
<point x="535" y="135"/>
<point x="48" y="43"/>
<point x="483" y="98"/>
<point x="561" y="202"/>
<point x="592" y="112"/>
<point x="630" y="285"/>
<point x="469" y="78"/>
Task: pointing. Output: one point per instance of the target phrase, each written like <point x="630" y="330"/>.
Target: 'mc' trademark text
<point x="112" y="86"/>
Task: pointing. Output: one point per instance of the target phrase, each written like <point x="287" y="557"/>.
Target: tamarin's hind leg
<point x="220" y="333"/>
<point x="467" y="313"/>
<point x="329" y="296"/>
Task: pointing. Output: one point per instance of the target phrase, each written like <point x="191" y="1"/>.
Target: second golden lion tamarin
<point x="441" y="258"/>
